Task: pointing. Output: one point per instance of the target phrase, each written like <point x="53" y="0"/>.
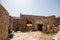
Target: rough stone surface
<point x="15" y="23"/>
<point x="37" y="35"/>
<point x="4" y="23"/>
<point x="10" y="24"/>
<point x="57" y="36"/>
<point x="48" y="23"/>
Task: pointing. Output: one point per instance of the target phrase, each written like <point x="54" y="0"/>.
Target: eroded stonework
<point x="4" y="23"/>
<point x="42" y="23"/>
<point x="16" y="23"/>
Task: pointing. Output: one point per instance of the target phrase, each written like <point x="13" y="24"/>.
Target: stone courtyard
<point x="37" y="35"/>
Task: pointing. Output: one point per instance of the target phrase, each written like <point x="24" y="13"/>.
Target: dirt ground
<point x="36" y="35"/>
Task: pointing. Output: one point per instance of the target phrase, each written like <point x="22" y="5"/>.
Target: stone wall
<point x="4" y="23"/>
<point x="10" y="24"/>
<point x="15" y="23"/>
<point x="51" y="23"/>
<point x="48" y="22"/>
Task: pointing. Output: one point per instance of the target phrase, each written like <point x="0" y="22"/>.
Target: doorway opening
<point x="40" y="27"/>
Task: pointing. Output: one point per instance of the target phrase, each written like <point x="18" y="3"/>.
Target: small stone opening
<point x="40" y="27"/>
<point x="29" y="22"/>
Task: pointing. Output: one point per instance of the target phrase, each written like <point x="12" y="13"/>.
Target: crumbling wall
<point x="51" y="23"/>
<point x="15" y="23"/>
<point x="22" y="23"/>
<point x="10" y="24"/>
<point x="48" y="22"/>
<point x="4" y="23"/>
<point x="39" y="20"/>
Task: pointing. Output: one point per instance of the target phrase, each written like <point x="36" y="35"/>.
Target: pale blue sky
<point x="32" y="7"/>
